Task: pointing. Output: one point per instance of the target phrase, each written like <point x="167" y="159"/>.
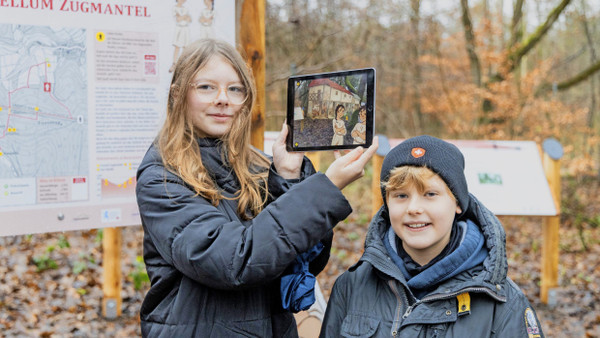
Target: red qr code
<point x="150" y="68"/>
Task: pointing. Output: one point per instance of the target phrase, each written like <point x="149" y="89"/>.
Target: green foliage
<point x="99" y="236"/>
<point x="44" y="262"/>
<point x="584" y="277"/>
<point x="363" y="218"/>
<point x="79" y="266"/>
<point x="353" y="236"/>
<point x="139" y="275"/>
<point x="535" y="245"/>
<point x="82" y="264"/>
<point x="63" y="242"/>
<point x="342" y="254"/>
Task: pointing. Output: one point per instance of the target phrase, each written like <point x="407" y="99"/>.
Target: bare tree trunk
<point x="591" y="118"/>
<point x="516" y="35"/>
<point x="593" y="60"/>
<point x="470" y="43"/>
<point x="415" y="19"/>
<point x="500" y="10"/>
<point x="516" y="27"/>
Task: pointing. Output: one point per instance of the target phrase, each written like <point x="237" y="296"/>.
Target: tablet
<point x="329" y="111"/>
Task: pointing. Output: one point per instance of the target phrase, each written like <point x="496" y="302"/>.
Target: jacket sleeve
<point x="336" y="310"/>
<point x="318" y="264"/>
<point x="517" y="318"/>
<point x="278" y="186"/>
<point x="207" y="245"/>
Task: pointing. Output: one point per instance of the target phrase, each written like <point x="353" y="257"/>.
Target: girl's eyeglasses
<point x="207" y="92"/>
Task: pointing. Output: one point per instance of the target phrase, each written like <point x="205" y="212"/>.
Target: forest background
<point x="461" y="69"/>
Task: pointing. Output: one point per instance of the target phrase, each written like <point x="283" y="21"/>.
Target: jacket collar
<point x="495" y="266"/>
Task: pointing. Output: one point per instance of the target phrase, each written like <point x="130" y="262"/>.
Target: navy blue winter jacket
<point x="215" y="275"/>
<point x="372" y="298"/>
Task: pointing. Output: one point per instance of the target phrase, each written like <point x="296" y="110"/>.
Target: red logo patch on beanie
<point x="417" y="152"/>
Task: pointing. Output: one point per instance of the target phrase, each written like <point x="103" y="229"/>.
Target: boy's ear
<point x="458" y="209"/>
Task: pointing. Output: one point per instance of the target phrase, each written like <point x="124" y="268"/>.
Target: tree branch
<point x="517" y="54"/>
<point x="583" y="75"/>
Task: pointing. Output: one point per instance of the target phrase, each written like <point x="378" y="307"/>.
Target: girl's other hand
<point x="350" y="167"/>
<point x="287" y="164"/>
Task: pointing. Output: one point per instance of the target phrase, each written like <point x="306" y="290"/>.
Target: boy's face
<point x="423" y="220"/>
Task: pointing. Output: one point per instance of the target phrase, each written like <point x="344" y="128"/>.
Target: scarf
<point x="469" y="253"/>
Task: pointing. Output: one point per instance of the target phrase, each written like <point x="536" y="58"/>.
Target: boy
<point x="434" y="263"/>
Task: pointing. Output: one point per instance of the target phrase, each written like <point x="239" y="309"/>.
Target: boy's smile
<point x="423" y="220"/>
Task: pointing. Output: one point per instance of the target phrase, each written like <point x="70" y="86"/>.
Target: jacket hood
<point x="495" y="265"/>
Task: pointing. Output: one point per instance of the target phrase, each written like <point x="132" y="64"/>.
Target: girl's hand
<point x="287" y="164"/>
<point x="350" y="167"/>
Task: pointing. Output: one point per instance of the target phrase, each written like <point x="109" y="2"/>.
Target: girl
<point x="339" y="127"/>
<point x="221" y="220"/>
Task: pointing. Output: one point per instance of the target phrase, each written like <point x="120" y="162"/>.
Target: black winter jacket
<point x="372" y="299"/>
<point x="215" y="275"/>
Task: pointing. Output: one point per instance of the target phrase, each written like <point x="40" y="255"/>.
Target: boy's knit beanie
<point x="441" y="157"/>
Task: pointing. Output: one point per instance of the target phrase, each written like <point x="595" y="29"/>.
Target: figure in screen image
<point x="339" y="126"/>
<point x="359" y="132"/>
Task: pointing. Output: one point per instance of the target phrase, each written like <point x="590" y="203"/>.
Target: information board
<point x="83" y="89"/>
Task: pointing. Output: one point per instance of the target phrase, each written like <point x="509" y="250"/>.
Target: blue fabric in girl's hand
<point x="298" y="284"/>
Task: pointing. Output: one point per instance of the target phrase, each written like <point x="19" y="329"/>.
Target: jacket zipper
<point x="396" y="323"/>
<point x="469" y="289"/>
<point x="452" y="295"/>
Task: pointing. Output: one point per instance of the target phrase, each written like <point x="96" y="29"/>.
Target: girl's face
<point x="362" y="115"/>
<point x="213" y="118"/>
<point x="340" y="112"/>
<point x="423" y="220"/>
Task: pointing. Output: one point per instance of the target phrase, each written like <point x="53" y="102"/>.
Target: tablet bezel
<point x="370" y="108"/>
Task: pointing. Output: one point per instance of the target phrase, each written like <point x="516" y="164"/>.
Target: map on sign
<point x="43" y="115"/>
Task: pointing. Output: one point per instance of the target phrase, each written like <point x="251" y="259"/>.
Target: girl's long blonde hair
<point x="177" y="142"/>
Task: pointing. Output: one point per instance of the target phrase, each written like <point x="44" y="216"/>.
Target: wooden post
<point x="550" y="229"/>
<point x="551" y="224"/>
<point x="111" y="271"/>
<point x="315" y="158"/>
<point x="251" y="35"/>
<point x="377" y="199"/>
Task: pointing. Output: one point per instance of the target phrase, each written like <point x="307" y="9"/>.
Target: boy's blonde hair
<point x="409" y="176"/>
